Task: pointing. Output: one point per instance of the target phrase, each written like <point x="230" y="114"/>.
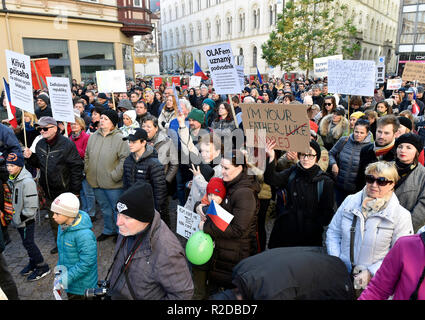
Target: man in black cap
<point x="149" y="261"/>
<point x="143" y="164"/>
<point x="43" y="106"/>
<point x="61" y="167"/>
<point x="103" y="100"/>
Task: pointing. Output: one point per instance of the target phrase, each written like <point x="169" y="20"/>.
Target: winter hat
<point x="112" y="115"/>
<point x="125" y="104"/>
<point x="216" y="186"/>
<point x="137" y="202"/>
<point x="44" y="97"/>
<point x="86" y="98"/>
<point x="247" y="89"/>
<point x="316" y="148"/>
<point x="357" y="114"/>
<point x="197" y="115"/>
<point x="131" y="114"/>
<point x="411" y="138"/>
<point x="209" y="102"/>
<point x="405" y="122"/>
<point x="16" y="159"/>
<point x="339" y="111"/>
<point x="66" y="204"/>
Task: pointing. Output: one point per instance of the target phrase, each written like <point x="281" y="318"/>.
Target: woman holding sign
<point x="309" y="195"/>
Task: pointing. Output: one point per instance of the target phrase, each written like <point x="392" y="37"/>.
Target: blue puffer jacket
<point x="77" y="248"/>
<point x="346" y="154"/>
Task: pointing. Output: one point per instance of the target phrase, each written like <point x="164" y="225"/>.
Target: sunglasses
<point x="380" y="181"/>
<point x="45" y="129"/>
<point x="328" y="104"/>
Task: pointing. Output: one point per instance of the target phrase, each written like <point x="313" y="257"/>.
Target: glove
<point x="362" y="279"/>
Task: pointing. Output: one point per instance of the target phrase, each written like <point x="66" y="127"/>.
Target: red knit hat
<point x="216" y="186"/>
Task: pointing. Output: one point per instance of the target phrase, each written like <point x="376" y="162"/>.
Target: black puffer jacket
<point x="303" y="218"/>
<point x="239" y="239"/>
<point x="149" y="169"/>
<point x="61" y="167"/>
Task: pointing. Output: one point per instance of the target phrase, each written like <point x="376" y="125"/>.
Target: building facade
<point x="78" y="37"/>
<point x="189" y="25"/>
<point x="411" y="33"/>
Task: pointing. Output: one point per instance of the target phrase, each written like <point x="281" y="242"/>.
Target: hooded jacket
<point x="77" y="251"/>
<point x="374" y="236"/>
<point x="158" y="270"/>
<point x="24" y="197"/>
<point x="167" y="154"/>
<point x="149" y="169"/>
<point x="104" y="159"/>
<point x="238" y="241"/>
<point x="346" y="154"/>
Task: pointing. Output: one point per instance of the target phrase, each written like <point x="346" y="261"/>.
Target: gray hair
<point x="251" y="100"/>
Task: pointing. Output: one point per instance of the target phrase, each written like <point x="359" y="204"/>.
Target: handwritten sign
<point x="222" y="67"/>
<point x="111" y="81"/>
<point x="414" y="71"/>
<point x="20" y="80"/>
<point x="394" y="84"/>
<point x="61" y="99"/>
<point x="187" y="222"/>
<point x="288" y="125"/>
<point x="194" y="81"/>
<point x="157" y="82"/>
<point x="354" y="77"/>
<point x="321" y="65"/>
<point x="241" y="76"/>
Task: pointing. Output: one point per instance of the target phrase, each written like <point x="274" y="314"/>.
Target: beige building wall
<point x="16" y="26"/>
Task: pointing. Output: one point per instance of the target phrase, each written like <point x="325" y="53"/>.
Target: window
<point x="241" y="22"/>
<point x="218" y="28"/>
<point x="271" y="15"/>
<point x="208" y="30"/>
<point x="208" y="3"/>
<point x="55" y="50"/>
<point x="95" y="56"/>
<point x="127" y="61"/>
<point x="254" y="57"/>
<point x="137" y="3"/>
<point x="199" y="32"/>
<point x="199" y="5"/>
<point x="229" y="25"/>
<point x="191" y="33"/>
<point x="190" y="6"/>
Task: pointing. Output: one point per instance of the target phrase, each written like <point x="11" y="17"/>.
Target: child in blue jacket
<point x="77" y="246"/>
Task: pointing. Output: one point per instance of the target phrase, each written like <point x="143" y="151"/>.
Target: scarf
<point x="403" y="171"/>
<point x="381" y="114"/>
<point x="76" y="135"/>
<point x="8" y="212"/>
<point x="374" y="205"/>
<point x="64" y="226"/>
<point x="380" y="152"/>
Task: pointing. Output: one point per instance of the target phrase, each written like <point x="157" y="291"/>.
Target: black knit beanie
<point x="411" y="138"/>
<point x="112" y="115"/>
<point x="137" y="202"/>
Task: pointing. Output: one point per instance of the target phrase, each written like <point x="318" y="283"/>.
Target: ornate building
<point x="78" y="37"/>
<point x="189" y="25"/>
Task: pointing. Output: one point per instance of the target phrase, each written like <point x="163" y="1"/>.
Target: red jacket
<point x="81" y="142"/>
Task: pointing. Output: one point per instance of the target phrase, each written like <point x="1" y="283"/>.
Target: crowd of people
<point x="356" y="194"/>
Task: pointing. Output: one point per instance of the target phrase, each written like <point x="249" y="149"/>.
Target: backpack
<point x="282" y="198"/>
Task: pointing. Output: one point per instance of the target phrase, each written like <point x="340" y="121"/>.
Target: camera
<point x="99" y="293"/>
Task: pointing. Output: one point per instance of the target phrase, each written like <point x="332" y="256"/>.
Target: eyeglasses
<point x="45" y="129"/>
<point x="328" y="104"/>
<point x="381" y="181"/>
<point x="307" y="155"/>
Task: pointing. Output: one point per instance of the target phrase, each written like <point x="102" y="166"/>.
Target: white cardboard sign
<point x="321" y="65"/>
<point x="394" y="84"/>
<point x="111" y="81"/>
<point x="187" y="222"/>
<point x="194" y="81"/>
<point x="222" y="68"/>
<point x="20" y="80"/>
<point x="241" y="76"/>
<point x="353" y="77"/>
<point x="61" y="99"/>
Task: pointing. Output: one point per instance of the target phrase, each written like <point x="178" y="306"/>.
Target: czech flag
<point x="198" y="71"/>
<point x="219" y="216"/>
<point x="259" y="76"/>
<point x="11" y="110"/>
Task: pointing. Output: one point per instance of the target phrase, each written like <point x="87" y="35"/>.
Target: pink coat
<point x="81" y="143"/>
<point x="400" y="272"/>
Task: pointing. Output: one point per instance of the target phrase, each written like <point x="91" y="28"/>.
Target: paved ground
<point x="17" y="258"/>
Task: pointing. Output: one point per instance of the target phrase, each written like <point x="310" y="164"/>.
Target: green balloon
<point x="199" y="248"/>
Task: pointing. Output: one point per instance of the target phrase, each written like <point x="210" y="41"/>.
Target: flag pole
<point x="233" y="111"/>
<point x="113" y="101"/>
<point x="25" y="130"/>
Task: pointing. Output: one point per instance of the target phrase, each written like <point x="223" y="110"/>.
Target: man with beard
<point x="382" y="149"/>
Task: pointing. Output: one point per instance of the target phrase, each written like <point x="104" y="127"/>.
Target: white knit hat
<point x="66" y="204"/>
<point x="132" y="115"/>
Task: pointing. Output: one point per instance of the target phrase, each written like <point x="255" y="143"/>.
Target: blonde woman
<point x="31" y="133"/>
<point x="377" y="219"/>
<point x="168" y="113"/>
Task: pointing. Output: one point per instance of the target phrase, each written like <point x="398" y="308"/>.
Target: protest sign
<point x="194" y="81"/>
<point x="111" y="81"/>
<point x="394" y="84"/>
<point x="61" y="99"/>
<point x="222" y="67"/>
<point x="241" y="76"/>
<point x="157" y="82"/>
<point x="187" y="222"/>
<point x="20" y="80"/>
<point x="288" y="125"/>
<point x="353" y="77"/>
<point x="321" y="65"/>
<point x="414" y="71"/>
<point x="175" y="80"/>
